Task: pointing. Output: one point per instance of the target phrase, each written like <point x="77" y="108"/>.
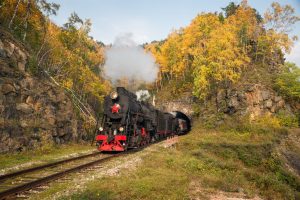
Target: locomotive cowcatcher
<point x="129" y="123"/>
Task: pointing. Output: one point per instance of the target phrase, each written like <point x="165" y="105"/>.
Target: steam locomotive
<point x="129" y="123"/>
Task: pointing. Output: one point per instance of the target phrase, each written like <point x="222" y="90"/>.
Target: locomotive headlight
<point x="121" y="129"/>
<point x="114" y="95"/>
<point x="100" y="128"/>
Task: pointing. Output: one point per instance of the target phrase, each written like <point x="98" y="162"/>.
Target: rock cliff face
<point x="253" y="99"/>
<point x="33" y="111"/>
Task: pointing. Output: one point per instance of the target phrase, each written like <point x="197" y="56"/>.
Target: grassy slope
<point x="205" y="161"/>
<point x="45" y="154"/>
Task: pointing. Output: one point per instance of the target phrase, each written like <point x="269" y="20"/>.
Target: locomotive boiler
<point x="129" y="123"/>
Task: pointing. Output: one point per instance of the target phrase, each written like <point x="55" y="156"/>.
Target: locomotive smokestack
<point x="125" y="60"/>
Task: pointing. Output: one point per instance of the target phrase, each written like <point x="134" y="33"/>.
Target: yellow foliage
<point x="69" y="54"/>
<point x="217" y="50"/>
<point x="67" y="83"/>
<point x="268" y="121"/>
<point x="221" y="62"/>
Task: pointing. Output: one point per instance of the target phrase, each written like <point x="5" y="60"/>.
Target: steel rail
<point x="27" y="186"/>
<point x="13" y="174"/>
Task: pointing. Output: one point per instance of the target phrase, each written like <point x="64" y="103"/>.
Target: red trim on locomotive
<point x="115" y="108"/>
<point x="120" y="137"/>
<point x="101" y="137"/>
<point x="143" y="132"/>
<point x="114" y="145"/>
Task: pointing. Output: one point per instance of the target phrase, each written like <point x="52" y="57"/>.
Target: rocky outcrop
<point x="33" y="111"/>
<point x="253" y="99"/>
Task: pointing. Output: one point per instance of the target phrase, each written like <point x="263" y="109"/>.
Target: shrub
<point x="288" y="82"/>
<point x="33" y="65"/>
<point x="287" y="120"/>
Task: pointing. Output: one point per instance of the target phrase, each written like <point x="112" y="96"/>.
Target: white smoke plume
<point x="125" y="59"/>
<point x="142" y="95"/>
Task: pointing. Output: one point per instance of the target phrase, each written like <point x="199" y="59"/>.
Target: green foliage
<point x="33" y="65"/>
<point x="179" y="88"/>
<point x="287" y="119"/>
<point x="73" y="21"/>
<point x="230" y="9"/>
<point x="288" y="82"/>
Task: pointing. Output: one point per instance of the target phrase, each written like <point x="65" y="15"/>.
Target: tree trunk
<point x="14" y="15"/>
<point x="216" y="100"/>
<point x="256" y="52"/>
<point x="46" y="53"/>
<point x="168" y="77"/>
<point x="216" y="97"/>
<point x="160" y="84"/>
<point x="26" y="19"/>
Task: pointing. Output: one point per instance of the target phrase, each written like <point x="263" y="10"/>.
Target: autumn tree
<point x="220" y="64"/>
<point x="196" y="36"/>
<point x="67" y="55"/>
<point x="276" y="39"/>
<point x="218" y="51"/>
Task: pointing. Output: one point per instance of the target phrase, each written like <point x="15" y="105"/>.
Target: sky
<point x="149" y="20"/>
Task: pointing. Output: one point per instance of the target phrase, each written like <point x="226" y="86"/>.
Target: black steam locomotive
<point x="129" y="123"/>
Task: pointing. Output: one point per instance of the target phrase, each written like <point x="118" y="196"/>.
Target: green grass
<point x="44" y="154"/>
<point x="231" y="159"/>
<point x="153" y="180"/>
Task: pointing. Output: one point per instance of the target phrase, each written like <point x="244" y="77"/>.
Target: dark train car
<point x="184" y="123"/>
<point x="129" y="123"/>
<point x="165" y="124"/>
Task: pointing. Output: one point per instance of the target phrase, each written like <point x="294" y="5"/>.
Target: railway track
<point x="17" y="182"/>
